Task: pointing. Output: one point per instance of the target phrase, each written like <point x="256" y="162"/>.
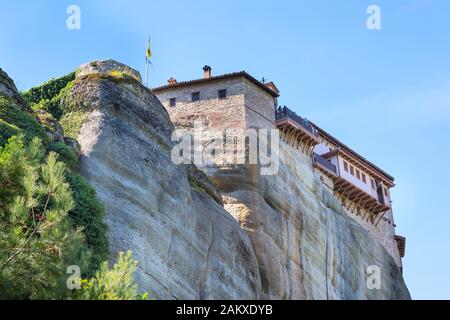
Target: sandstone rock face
<point x="187" y="245"/>
<point x="277" y="237"/>
<point x="307" y="247"/>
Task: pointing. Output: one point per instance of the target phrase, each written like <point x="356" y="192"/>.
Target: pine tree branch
<point x="18" y="251"/>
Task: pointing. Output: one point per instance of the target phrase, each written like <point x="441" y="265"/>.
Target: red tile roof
<point x="217" y="78"/>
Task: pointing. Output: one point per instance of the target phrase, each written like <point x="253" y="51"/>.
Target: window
<point x="385" y="192"/>
<point x="372" y="182"/>
<point x="195" y="96"/>
<point x="358" y="174"/>
<point x="222" y="94"/>
<point x="363" y="177"/>
<point x="172" y="102"/>
<point x="345" y="166"/>
<point x="352" y="171"/>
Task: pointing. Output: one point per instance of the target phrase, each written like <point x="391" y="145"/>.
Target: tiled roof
<point x="354" y="153"/>
<point x="216" y="78"/>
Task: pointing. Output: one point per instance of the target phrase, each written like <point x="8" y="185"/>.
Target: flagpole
<point x="147" y="63"/>
<point x="146" y="72"/>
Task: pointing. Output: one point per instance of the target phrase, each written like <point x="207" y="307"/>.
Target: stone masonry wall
<point x="215" y="113"/>
<point x="260" y="109"/>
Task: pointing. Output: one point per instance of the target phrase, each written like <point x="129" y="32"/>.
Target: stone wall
<point x="246" y="105"/>
<point x="212" y="111"/>
<point x="260" y="107"/>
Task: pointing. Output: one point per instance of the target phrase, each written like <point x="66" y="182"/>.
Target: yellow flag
<point x="148" y="53"/>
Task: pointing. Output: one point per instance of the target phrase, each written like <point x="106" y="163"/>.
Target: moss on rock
<point x="72" y="122"/>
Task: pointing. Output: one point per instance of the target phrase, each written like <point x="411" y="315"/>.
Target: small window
<point x="172" y="102"/>
<point x="345" y="166"/>
<point x="352" y="171"/>
<point x="372" y="182"/>
<point x="363" y="176"/>
<point x="358" y="174"/>
<point x="222" y="94"/>
<point x="195" y="96"/>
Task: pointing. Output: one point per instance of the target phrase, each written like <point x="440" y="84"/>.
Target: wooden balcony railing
<point x="285" y="112"/>
<point x="326" y="166"/>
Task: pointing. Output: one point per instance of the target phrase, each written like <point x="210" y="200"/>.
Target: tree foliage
<point x="88" y="214"/>
<point x="36" y="239"/>
<point x="47" y="90"/>
<point x="50" y="217"/>
<point x="113" y="284"/>
<point x="15" y="120"/>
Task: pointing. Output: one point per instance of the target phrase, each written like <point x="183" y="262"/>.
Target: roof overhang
<point x="401" y="243"/>
<point x="356" y="158"/>
<point x="239" y="74"/>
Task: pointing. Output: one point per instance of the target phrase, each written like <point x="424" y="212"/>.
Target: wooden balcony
<point x="295" y="130"/>
<point x="325" y="166"/>
<point x="359" y="197"/>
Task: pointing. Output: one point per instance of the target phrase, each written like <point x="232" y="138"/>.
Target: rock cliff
<point x="272" y="237"/>
<point x="8" y="89"/>
<point x="187" y="245"/>
<point x="307" y="247"/>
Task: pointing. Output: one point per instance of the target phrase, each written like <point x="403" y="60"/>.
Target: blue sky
<point x="386" y="93"/>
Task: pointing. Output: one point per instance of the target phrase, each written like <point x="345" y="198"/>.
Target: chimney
<point x="171" y="81"/>
<point x="206" y="72"/>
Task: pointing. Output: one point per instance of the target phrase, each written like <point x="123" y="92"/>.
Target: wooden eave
<point x="358" y="164"/>
<point x="401" y="243"/>
<point x="296" y="133"/>
<point x="360" y="197"/>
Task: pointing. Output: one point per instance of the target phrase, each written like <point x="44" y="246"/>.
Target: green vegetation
<point x="7" y="131"/>
<point x="72" y="122"/>
<point x="15" y="119"/>
<point x="54" y="98"/>
<point x="50" y="217"/>
<point x="115" y="284"/>
<point x="55" y="104"/>
<point x="88" y="214"/>
<point x="48" y="90"/>
<point x="65" y="153"/>
<point x="36" y="240"/>
<point x="197" y="186"/>
<point x="120" y="75"/>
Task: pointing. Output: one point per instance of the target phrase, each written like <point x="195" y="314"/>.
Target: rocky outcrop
<point x="8" y="89"/>
<point x="54" y="130"/>
<point x="275" y="237"/>
<point x="187" y="245"/>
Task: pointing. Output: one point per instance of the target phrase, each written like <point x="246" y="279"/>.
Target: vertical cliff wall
<point x="278" y="237"/>
<point x="187" y="245"/>
<point x="307" y="247"/>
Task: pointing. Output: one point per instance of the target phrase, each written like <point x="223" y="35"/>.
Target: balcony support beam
<point x="353" y="197"/>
